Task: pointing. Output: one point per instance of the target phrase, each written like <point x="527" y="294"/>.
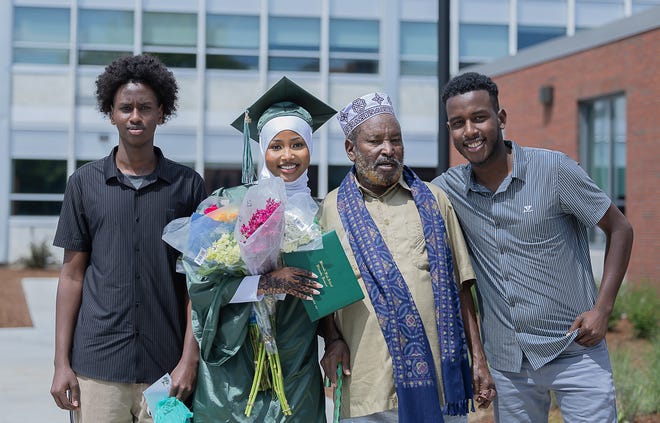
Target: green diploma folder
<point x="330" y="264"/>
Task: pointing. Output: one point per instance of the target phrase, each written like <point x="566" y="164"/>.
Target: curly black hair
<point x="471" y="81"/>
<point x="143" y="68"/>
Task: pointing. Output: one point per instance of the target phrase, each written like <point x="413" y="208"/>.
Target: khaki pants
<point x="111" y="402"/>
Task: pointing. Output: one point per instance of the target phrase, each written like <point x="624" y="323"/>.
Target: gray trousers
<point x="581" y="379"/>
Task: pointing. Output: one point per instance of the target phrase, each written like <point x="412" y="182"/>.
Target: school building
<point x="587" y="59"/>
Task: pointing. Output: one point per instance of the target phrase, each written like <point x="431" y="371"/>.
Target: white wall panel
<point x="243" y="7"/>
<point x="226" y="148"/>
<point x="351" y="9"/>
<point x="295" y="7"/>
<point x="227" y="98"/>
<point x="41" y="90"/>
<point x="419" y="10"/>
<point x="45" y="144"/>
<point x="418" y="106"/>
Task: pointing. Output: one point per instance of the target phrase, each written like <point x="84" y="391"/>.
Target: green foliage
<point x="40" y="256"/>
<point x="637" y="386"/>
<point x="642" y="308"/>
<point x="617" y="311"/>
<point x="629" y="384"/>
<point x="649" y="403"/>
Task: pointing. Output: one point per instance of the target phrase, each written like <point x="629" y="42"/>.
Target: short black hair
<point x="144" y="69"/>
<point x="471" y="81"/>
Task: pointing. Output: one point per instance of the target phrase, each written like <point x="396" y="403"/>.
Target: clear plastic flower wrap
<point x="207" y="237"/>
<point x="301" y="229"/>
<point x="260" y="225"/>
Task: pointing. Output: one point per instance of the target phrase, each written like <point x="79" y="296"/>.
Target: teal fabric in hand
<point x="171" y="410"/>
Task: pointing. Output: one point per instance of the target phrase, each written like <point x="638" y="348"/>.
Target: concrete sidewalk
<point x="26" y="360"/>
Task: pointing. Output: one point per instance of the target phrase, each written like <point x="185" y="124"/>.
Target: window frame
<point x="586" y="142"/>
<point x="114" y="50"/>
<point x="292" y="54"/>
<point x="242" y="54"/>
<point x="41" y="46"/>
<point x="417" y="59"/>
<point x="362" y="57"/>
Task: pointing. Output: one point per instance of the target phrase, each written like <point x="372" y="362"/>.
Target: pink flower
<point x="210" y="209"/>
<point x="259" y="218"/>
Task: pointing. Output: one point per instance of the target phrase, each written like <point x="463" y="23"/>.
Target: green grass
<point x="637" y="386"/>
<point x="640" y="304"/>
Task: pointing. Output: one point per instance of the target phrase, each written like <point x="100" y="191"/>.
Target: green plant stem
<point x="278" y="382"/>
<point x="258" y="372"/>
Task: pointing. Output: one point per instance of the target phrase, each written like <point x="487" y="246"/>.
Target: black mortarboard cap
<point x="283" y="91"/>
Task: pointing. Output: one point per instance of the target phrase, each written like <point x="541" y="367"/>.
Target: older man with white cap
<point x="409" y="359"/>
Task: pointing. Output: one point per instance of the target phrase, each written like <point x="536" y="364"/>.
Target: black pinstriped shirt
<point x="529" y="247"/>
<point x="132" y="317"/>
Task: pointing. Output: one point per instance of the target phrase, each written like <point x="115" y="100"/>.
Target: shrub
<point x="40" y="256"/>
<point x="642" y="308"/>
<point x="617" y="310"/>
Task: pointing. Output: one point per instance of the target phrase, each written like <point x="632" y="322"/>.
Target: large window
<point x="294" y="44"/>
<point x="232" y="42"/>
<point x="104" y="35"/>
<point x="603" y="141"/>
<point x="482" y="43"/>
<point x="172" y="37"/>
<point x="41" y="35"/>
<point x="591" y="13"/>
<point x="419" y="48"/>
<point x="641" y="5"/>
<point x="605" y="120"/>
<point x="540" y="20"/>
<point x="38" y="187"/>
<point x="354" y="46"/>
<point x="529" y="35"/>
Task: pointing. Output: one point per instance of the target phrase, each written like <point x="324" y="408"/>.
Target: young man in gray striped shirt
<point x="525" y="213"/>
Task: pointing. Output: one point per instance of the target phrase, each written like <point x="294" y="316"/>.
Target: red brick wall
<point x="630" y="66"/>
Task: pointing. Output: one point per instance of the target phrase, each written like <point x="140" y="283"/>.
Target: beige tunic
<point x="370" y="388"/>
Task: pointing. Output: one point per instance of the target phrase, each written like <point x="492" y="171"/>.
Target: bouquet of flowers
<point x="206" y="239"/>
<point x="259" y="230"/>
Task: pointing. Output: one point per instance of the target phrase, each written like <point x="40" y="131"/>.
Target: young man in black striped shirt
<point x="123" y="313"/>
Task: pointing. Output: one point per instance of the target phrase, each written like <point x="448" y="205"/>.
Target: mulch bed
<point x="14" y="311"/>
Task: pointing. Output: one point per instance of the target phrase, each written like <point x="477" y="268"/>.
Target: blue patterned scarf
<point x="412" y="362"/>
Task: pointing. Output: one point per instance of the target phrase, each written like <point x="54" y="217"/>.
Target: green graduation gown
<point x="226" y="365"/>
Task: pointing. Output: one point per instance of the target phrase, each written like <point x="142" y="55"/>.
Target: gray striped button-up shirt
<point x="529" y="247"/>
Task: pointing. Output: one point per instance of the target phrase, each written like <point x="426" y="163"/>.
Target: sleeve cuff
<point x="247" y="290"/>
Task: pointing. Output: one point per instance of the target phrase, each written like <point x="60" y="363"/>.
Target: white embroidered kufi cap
<point x="363" y="108"/>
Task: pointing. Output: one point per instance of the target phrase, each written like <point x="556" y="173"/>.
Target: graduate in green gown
<point x="282" y="121"/>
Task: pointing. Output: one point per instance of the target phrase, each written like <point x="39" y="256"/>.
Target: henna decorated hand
<point x="289" y="280"/>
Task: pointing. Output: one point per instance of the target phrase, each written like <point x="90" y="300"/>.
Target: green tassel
<point x="247" y="174"/>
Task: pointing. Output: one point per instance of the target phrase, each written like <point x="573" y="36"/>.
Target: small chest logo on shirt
<point x="528" y="209"/>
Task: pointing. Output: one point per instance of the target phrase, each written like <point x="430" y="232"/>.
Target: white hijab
<point x="269" y="131"/>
